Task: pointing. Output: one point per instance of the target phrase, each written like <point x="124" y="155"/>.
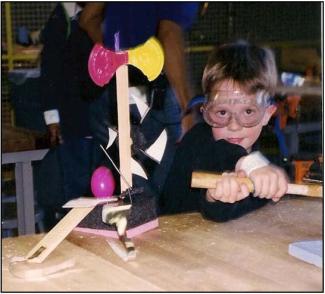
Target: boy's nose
<point x="233" y="124"/>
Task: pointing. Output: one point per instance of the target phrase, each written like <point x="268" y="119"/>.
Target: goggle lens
<point x="220" y="116"/>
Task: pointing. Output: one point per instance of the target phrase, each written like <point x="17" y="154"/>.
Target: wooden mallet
<point x="207" y="180"/>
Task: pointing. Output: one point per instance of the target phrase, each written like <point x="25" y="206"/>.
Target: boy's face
<point x="239" y="119"/>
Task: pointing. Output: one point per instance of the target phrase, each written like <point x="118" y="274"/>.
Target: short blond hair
<point x="251" y="66"/>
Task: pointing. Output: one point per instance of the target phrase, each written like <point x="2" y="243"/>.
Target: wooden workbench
<point x="188" y="253"/>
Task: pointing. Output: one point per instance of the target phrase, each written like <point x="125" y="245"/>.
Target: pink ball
<point x="102" y="182"/>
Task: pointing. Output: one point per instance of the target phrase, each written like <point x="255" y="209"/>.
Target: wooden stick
<point x="54" y="237"/>
<point x="123" y="116"/>
<point x="206" y="180"/>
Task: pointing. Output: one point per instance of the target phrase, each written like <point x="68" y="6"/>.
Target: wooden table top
<point x="188" y="253"/>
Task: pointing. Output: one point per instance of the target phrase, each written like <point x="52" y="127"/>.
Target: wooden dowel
<point x="123" y="116"/>
<point x="206" y="180"/>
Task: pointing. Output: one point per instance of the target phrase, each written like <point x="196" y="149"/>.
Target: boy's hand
<point x="228" y="189"/>
<point x="270" y="182"/>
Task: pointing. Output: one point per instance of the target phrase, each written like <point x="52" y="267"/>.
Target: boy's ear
<point x="270" y="110"/>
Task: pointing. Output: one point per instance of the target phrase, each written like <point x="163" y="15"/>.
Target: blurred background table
<point x="21" y="148"/>
<point x="24" y="186"/>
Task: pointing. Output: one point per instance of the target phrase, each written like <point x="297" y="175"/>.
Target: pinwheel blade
<point x="111" y="137"/>
<point x="139" y="99"/>
<point x="137" y="169"/>
<point x="157" y="149"/>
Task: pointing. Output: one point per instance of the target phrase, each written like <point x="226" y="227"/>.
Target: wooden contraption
<point x="149" y="58"/>
<point x="101" y="69"/>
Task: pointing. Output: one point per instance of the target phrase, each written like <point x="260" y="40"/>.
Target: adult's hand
<point x="91" y="19"/>
<point x="54" y="133"/>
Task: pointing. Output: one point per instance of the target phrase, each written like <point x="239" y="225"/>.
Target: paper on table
<point x="309" y="251"/>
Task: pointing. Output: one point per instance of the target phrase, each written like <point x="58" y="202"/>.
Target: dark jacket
<point x="199" y="151"/>
<point x="66" y="84"/>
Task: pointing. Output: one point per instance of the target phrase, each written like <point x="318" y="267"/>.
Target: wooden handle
<point x="206" y="180"/>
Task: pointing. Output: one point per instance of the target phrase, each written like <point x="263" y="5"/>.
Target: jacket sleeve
<point x="177" y="195"/>
<point x="53" y="38"/>
<point x="220" y="212"/>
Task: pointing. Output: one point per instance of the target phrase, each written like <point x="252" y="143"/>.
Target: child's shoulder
<point x="200" y="129"/>
<point x="193" y="139"/>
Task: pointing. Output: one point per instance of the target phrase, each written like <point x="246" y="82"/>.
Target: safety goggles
<point x="247" y="110"/>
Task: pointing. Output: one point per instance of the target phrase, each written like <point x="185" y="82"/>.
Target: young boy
<point x="238" y="82"/>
